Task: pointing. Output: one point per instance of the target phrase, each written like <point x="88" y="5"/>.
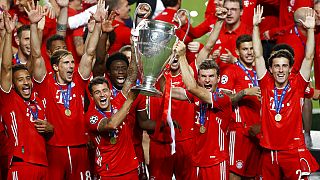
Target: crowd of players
<point x="237" y="107"/>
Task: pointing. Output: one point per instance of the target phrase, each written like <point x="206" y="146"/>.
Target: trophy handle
<point x="179" y="21"/>
<point x="135" y="23"/>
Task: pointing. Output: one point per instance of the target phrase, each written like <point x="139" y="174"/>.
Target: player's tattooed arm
<point x="132" y="74"/>
<point x="117" y="118"/>
<point x="253" y="91"/>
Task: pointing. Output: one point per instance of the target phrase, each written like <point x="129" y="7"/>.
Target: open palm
<point x="257" y="16"/>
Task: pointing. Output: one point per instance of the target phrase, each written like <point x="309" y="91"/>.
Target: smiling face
<point x="22" y="83"/>
<point x="64" y="69"/>
<point x="118" y="73"/>
<point x="101" y="95"/>
<point x="208" y="78"/>
<point x="280" y="70"/>
<point x="245" y="53"/>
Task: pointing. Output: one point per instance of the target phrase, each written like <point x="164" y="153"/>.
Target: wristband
<point x="61" y="27"/>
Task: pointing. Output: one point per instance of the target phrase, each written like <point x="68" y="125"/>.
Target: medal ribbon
<point x="203" y="108"/>
<point x="34" y="113"/>
<point x="113" y="132"/>
<point x="278" y="104"/>
<point x="65" y="95"/>
<point x="254" y="80"/>
<point x="114" y="91"/>
<point x="298" y="34"/>
<point x="17" y="58"/>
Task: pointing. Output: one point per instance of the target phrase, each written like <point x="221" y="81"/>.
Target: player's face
<point x="118" y="73"/>
<point x="175" y="65"/>
<point x="101" y="95"/>
<point x="65" y="69"/>
<point x="245" y="53"/>
<point x="280" y="70"/>
<point x="24" y="42"/>
<point x="317" y="9"/>
<point x="57" y="45"/>
<point x="208" y="79"/>
<point x="234" y="12"/>
<point x="22" y="83"/>
<point x="123" y="9"/>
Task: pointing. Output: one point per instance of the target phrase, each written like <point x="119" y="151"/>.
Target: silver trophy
<point x="153" y="49"/>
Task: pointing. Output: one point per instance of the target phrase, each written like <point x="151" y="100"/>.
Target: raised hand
<point x="227" y="57"/>
<point x="221" y="13"/>
<point x="101" y="12"/>
<point x="107" y="22"/>
<point x="216" y="53"/>
<point x="91" y="24"/>
<point x="63" y="3"/>
<point x="257" y="16"/>
<point x="179" y="48"/>
<point x="182" y="16"/>
<point x="9" y="23"/>
<point x="1" y="21"/>
<point x="310" y="21"/>
<point x="143" y="10"/>
<point x="35" y="13"/>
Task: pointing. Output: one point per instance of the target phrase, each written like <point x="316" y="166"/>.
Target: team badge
<point x="239" y="164"/>
<point x="93" y="119"/>
<point x="224" y="79"/>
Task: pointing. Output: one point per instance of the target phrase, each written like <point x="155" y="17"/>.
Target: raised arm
<point x="6" y="64"/>
<point x="187" y="77"/>
<point x="309" y="24"/>
<point x="86" y="62"/>
<point x="257" y="46"/>
<point x="221" y="14"/>
<point x="101" y="52"/>
<point x="117" y="118"/>
<point x="35" y="14"/>
<point x="62" y="17"/>
<point x="132" y="73"/>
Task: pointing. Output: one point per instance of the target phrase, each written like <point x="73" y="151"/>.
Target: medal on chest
<point x="278" y="102"/>
<point x="112" y="134"/>
<point x="203" y="109"/>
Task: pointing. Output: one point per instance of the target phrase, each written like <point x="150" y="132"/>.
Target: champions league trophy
<point x="153" y="48"/>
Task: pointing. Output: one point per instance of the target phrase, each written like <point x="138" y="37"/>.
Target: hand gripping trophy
<point x="153" y="42"/>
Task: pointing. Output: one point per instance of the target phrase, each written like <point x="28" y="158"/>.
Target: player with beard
<point x="241" y="83"/>
<point x="285" y="154"/>
<point x="23" y="116"/>
<point x="63" y="91"/>
<point x="110" y="131"/>
<point x="213" y="113"/>
<point x="23" y="41"/>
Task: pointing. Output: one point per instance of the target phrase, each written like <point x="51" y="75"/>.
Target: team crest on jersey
<point x="93" y="119"/>
<point x="239" y="164"/>
<point x="224" y="79"/>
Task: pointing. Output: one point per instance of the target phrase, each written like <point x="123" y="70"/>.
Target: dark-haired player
<point x="285" y="154"/>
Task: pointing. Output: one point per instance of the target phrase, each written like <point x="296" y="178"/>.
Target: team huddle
<point x="228" y="110"/>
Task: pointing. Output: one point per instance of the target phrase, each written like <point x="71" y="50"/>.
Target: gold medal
<point x="67" y="112"/>
<point x="278" y="117"/>
<point x="113" y="140"/>
<point x="202" y="129"/>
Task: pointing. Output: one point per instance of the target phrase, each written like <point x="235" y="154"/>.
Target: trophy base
<point x="147" y="91"/>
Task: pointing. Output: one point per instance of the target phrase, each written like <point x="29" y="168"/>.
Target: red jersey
<point x="71" y="33"/>
<point x="227" y="40"/>
<point x="211" y="147"/>
<point x="287" y="133"/>
<point x="247" y="111"/>
<point x="69" y="130"/>
<point x="24" y="141"/>
<point x="297" y="41"/>
<point x="182" y="112"/>
<point x="111" y="159"/>
<point x="123" y="34"/>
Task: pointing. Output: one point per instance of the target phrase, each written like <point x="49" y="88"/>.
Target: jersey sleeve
<point x="141" y="106"/>
<point x="92" y="121"/>
<point x="220" y="100"/>
<point x="227" y="80"/>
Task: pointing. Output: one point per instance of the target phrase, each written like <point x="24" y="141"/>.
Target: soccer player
<point x="241" y="83"/>
<point x="285" y="154"/>
<point x="23" y="41"/>
<point x="63" y="91"/>
<point x="110" y="131"/>
<point x="23" y="116"/>
<point x="213" y="113"/>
